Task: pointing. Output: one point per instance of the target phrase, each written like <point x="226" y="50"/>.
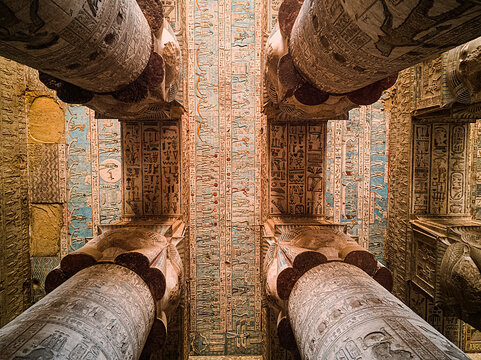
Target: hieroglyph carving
<point x="367" y="322"/>
<point x="439" y="169"/>
<point x="97" y="45"/>
<point x="151" y="165"/>
<point x="361" y="42"/>
<point x="297" y="168"/>
<point x="103" y="312"/>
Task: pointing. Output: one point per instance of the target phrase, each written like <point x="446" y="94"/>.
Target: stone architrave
<point x="103" y="312"/>
<point x="336" y="310"/>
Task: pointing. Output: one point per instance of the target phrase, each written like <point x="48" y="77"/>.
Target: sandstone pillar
<point x="103" y="312"/>
<point x="99" y="46"/>
<point x="342" y="46"/>
<point x="120" y="58"/>
<point x="338" y="312"/>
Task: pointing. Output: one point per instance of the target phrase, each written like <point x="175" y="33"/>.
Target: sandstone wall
<point x="14" y="211"/>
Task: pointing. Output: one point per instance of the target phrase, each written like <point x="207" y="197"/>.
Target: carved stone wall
<point x="14" y="213"/>
<point x="431" y="192"/>
<point x="400" y="105"/>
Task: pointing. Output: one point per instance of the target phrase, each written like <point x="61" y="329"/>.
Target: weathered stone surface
<point x="148" y="96"/>
<point x="400" y="105"/>
<point x="152" y="256"/>
<point x="14" y="213"/>
<point x="369" y="322"/>
<point x="46" y="121"/>
<point x="46" y="224"/>
<point x="290" y="92"/>
<point x="44" y="173"/>
<point x="342" y="46"/>
<point x="460" y="277"/>
<point x="297" y="249"/>
<point x="103" y="312"/>
<point x="96" y="45"/>
<point x="464" y="72"/>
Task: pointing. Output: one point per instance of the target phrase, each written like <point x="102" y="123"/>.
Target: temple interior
<point x="240" y="179"/>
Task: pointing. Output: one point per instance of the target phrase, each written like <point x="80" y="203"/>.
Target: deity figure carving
<point x="460" y="280"/>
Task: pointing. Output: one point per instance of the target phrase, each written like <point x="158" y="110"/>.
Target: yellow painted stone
<point x="46" y="121"/>
<point x="46" y="223"/>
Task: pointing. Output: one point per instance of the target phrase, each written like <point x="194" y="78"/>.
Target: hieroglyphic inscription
<point x="315" y="162"/>
<point x="151" y="183"/>
<point x="457" y="169"/>
<point x="439" y="171"/>
<point x="170" y="169"/>
<point x="356" y="189"/>
<point x="224" y="103"/>
<point x="448" y="325"/>
<point x="363" y="42"/>
<point x="425" y="262"/>
<point x="422" y="159"/>
<point x="429" y="83"/>
<point x="110" y="170"/>
<point x="14" y="211"/>
<point x="79" y="179"/>
<point x="278" y="168"/>
<point x="103" y="312"/>
<point x="417" y="301"/>
<point x="296" y="160"/>
<point x="471" y="339"/>
<point x="434" y="316"/>
<point x="369" y="321"/>
<point x="117" y="30"/>
<point x="131" y="158"/>
<point x="151" y="168"/>
<point x="297" y="168"/>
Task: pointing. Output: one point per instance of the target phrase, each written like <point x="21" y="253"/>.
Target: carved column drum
<point x="343" y="45"/>
<point x="338" y="312"/>
<point x="97" y="45"/>
<point x="103" y="312"/>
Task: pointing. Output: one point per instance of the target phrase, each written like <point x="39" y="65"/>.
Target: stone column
<point x="103" y="312"/>
<point x="120" y="58"/>
<point x="342" y="46"/>
<point x="99" y="46"/>
<point x="338" y="312"/>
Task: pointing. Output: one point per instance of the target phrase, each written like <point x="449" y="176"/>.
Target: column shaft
<point x="103" y="312"/>
<point x="342" y="46"/>
<point x="97" y="45"/>
<point x="338" y="312"/>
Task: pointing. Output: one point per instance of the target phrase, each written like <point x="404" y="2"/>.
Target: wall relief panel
<point x="297" y="155"/>
<point x="151" y="157"/>
<point x="440" y="168"/>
